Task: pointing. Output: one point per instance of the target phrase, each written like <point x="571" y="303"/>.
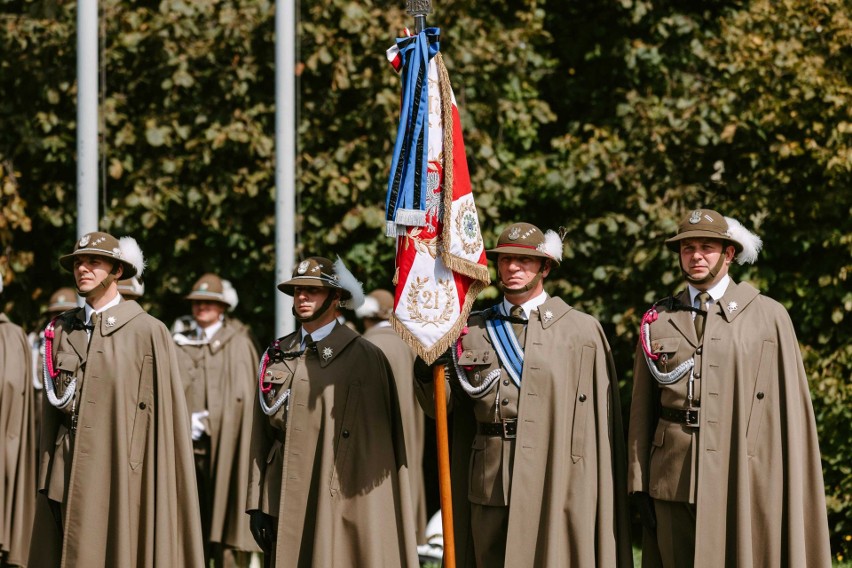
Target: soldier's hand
<point x="423" y="372"/>
<point x="262" y="528"/>
<point x="645" y="504"/>
<point x="198" y="423"/>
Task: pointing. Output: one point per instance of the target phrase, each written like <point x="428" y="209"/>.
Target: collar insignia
<point x="548" y="315"/>
<point x="732" y="307"/>
<point x="110" y="321"/>
<point x="327" y="353"/>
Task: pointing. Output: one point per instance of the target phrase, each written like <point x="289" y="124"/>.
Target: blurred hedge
<point x="611" y="119"/>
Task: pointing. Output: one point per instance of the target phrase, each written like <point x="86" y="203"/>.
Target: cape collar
<point x="327" y="348"/>
<point x="736" y="300"/>
<point x="549" y="312"/>
<point x="118" y="316"/>
<point x="733" y="302"/>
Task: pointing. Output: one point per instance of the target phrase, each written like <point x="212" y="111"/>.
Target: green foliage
<point x="611" y="119"/>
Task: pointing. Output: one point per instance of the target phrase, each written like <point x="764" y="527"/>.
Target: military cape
<point x="755" y="476"/>
<point x="225" y="369"/>
<point x="18" y="471"/>
<point x="127" y="481"/>
<point x="337" y="481"/>
<point x="567" y="499"/>
<point x="401" y="359"/>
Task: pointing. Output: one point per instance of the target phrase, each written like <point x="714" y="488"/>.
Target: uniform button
<point x="346" y="433"/>
<point x="504" y="402"/>
<point x="582" y="398"/>
<point x="142" y="406"/>
<point x="697" y="375"/>
<point x="698" y="351"/>
<point x="506" y="382"/>
<point x="760" y="395"/>
<point x="268" y="374"/>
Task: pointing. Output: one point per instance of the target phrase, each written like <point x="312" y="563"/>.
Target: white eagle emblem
<point x="84" y="241"/>
<point x="303" y="267"/>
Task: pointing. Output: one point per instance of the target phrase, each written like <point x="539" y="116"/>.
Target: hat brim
<point x="60" y="308"/>
<point x="521" y="251"/>
<point x="206" y="297"/>
<point x="674" y="242"/>
<point x="67" y="262"/>
<point x="288" y="286"/>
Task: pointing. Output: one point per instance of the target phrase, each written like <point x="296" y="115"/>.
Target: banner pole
<point x="418" y="9"/>
<point x="438" y="375"/>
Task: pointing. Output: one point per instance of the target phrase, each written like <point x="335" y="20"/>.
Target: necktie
<point x="93" y="325"/>
<point x="519" y="328"/>
<point x="309" y="342"/>
<point x="93" y="322"/>
<point x="700" y="317"/>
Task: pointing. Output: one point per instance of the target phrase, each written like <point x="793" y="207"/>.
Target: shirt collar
<point x="716" y="292"/>
<point x="527" y="306"/>
<point x="211" y="330"/>
<point x="321" y="333"/>
<point x="90" y="310"/>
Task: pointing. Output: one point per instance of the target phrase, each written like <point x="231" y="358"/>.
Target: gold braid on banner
<point x="472" y="269"/>
<point x="475" y="271"/>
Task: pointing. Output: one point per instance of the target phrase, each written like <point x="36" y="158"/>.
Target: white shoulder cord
<point x="50" y="373"/>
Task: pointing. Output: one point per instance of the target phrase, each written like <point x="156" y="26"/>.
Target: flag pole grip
<point x="444" y="466"/>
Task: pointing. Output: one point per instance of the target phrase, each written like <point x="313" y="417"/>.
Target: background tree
<point x="611" y="119"/>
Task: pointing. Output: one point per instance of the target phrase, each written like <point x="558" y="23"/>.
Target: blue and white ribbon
<point x="510" y="352"/>
<point x="405" y="204"/>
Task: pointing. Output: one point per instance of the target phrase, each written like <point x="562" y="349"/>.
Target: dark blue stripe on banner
<point x="410" y="161"/>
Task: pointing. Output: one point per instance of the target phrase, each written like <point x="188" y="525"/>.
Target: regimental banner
<point x="440" y="258"/>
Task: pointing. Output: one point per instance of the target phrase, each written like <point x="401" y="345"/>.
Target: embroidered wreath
<point x="467" y="227"/>
<point x="414" y="301"/>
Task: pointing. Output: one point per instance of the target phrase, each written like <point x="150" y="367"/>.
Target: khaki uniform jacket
<point x="18" y="471"/>
<point x="125" y="477"/>
<point x="330" y="464"/>
<point x="752" y="468"/>
<point x="401" y="359"/>
<point x="219" y="376"/>
<point x="563" y="477"/>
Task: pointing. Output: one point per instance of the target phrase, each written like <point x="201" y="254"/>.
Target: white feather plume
<point x="229" y="294"/>
<point x="751" y="242"/>
<point x="553" y="245"/>
<point x="369" y="309"/>
<point x="132" y="254"/>
<point x="348" y="282"/>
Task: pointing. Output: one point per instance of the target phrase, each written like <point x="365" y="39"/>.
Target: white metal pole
<point x="87" y="116"/>
<point x="285" y="158"/>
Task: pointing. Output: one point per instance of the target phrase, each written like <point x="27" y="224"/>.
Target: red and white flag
<point x="440" y="257"/>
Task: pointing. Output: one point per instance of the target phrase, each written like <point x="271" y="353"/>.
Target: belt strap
<point x="685" y="416"/>
<point x="507" y="428"/>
